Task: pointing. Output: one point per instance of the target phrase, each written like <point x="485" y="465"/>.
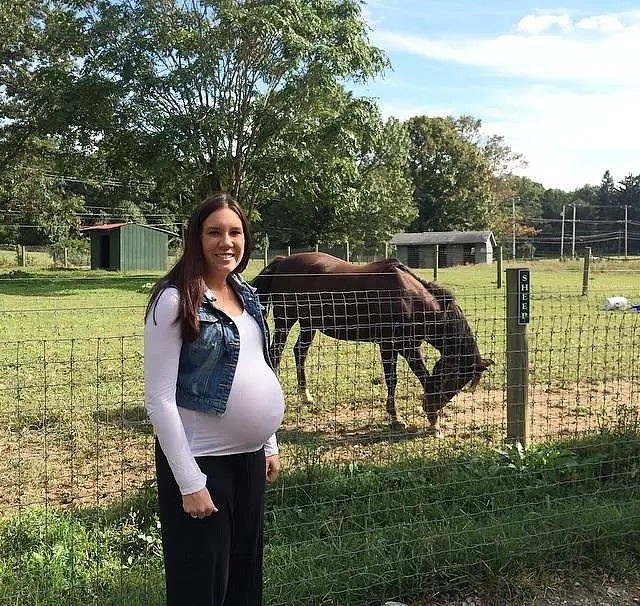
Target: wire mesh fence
<point x="363" y="511"/>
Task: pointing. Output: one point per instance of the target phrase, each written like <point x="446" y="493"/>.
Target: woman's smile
<point x="222" y="243"/>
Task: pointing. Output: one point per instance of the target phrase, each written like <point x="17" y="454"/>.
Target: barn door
<point x="105" y="252"/>
<point x="442" y="256"/>
<point x="469" y="254"/>
<point x="413" y="256"/>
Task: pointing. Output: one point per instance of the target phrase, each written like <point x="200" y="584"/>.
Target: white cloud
<point x="605" y="24"/>
<point x="536" y="24"/>
<point x="543" y="56"/>
<point x="571" y="109"/>
<point x="570" y="138"/>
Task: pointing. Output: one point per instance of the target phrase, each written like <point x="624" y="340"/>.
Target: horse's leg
<point x="300" y="351"/>
<point x="389" y="362"/>
<point x="414" y="358"/>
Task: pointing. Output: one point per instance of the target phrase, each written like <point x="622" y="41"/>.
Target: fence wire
<point x="363" y="511"/>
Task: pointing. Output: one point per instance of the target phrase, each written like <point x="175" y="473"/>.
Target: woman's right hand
<point x="198" y="504"/>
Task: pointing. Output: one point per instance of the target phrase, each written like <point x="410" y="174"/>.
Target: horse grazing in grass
<point x="382" y="302"/>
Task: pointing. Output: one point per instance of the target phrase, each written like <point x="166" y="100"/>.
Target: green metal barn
<point x="128" y="246"/>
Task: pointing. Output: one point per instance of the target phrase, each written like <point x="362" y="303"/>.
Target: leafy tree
<point x="502" y="161"/>
<point x="37" y="207"/>
<point x="529" y="195"/>
<point x="209" y="90"/>
<point x="451" y="177"/>
<point x="38" y="102"/>
<point x="385" y="204"/>
<point x="350" y="184"/>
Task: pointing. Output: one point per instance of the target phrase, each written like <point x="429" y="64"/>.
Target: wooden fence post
<point x="585" y="271"/>
<point x="499" y="266"/>
<point x="436" y="257"/>
<point x="518" y="301"/>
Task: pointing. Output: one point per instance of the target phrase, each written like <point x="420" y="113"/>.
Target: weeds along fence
<point x="361" y="513"/>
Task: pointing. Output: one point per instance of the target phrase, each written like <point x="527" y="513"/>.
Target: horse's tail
<point x="262" y="282"/>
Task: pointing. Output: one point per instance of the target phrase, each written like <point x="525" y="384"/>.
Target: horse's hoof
<point x="306" y="398"/>
<point x="436" y="432"/>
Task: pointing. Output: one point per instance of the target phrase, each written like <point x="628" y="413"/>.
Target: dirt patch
<point x="87" y="462"/>
<point x="599" y="592"/>
<point x="554" y="410"/>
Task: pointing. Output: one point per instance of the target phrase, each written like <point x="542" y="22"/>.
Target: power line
<point x="107" y="182"/>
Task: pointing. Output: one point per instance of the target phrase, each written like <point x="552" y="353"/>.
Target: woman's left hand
<point x="273" y="467"/>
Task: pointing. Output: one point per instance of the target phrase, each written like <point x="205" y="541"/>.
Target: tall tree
<point x="209" y="88"/>
<point x="349" y="184"/>
<point x="605" y="197"/>
<point x="385" y="205"/>
<point x="40" y="48"/>
<point x="506" y="205"/>
<point x="451" y="177"/>
<point x="627" y="192"/>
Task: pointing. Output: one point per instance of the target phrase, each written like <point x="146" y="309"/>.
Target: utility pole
<point x="573" y="238"/>
<point x="626" y="228"/>
<point x="562" y="235"/>
<point x="513" y="228"/>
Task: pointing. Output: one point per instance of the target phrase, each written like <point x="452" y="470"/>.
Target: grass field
<point x="360" y="513"/>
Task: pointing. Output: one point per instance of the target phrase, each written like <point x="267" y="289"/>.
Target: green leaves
<point x="451" y="176"/>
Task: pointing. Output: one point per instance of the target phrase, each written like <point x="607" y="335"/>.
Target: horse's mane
<point x="443" y="295"/>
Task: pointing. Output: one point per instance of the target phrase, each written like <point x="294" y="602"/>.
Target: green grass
<point x="361" y="513"/>
<point x="350" y="534"/>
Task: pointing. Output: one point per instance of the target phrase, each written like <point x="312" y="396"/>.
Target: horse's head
<point x="460" y="364"/>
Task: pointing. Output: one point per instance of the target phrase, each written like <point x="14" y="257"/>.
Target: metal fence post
<point x="585" y="271"/>
<point x="518" y="301"/>
<point x="499" y="266"/>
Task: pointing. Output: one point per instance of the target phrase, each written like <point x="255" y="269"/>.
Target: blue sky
<point x="560" y="81"/>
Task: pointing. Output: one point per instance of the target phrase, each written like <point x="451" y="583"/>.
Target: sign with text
<point x="524" y="288"/>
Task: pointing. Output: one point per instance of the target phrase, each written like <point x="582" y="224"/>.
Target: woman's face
<point x="222" y="242"/>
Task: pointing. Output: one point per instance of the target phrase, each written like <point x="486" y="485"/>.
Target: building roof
<point x="103" y="227"/>
<point x="443" y="237"/>
<point x="113" y="226"/>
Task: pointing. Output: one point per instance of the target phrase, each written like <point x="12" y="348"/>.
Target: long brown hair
<point x="188" y="272"/>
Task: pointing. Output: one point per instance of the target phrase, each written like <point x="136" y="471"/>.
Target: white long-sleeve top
<point x="254" y="410"/>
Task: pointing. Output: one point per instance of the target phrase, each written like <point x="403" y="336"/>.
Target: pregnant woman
<point x="215" y="403"/>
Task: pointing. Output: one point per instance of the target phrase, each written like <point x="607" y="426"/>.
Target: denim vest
<point x="208" y="364"/>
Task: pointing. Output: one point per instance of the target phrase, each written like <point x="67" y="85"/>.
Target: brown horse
<point x="382" y="302"/>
